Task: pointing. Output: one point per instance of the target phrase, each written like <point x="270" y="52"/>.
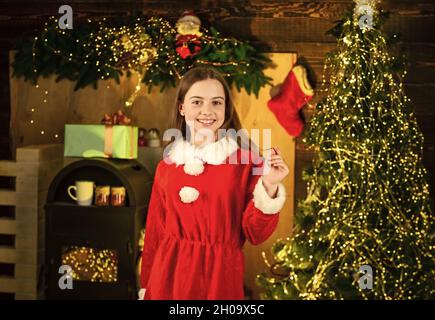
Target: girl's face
<point x="204" y="106"/>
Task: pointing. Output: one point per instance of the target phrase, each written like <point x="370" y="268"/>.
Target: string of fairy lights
<point x="367" y="195"/>
<point x="34" y="108"/>
<point x="91" y="264"/>
<point x="113" y="50"/>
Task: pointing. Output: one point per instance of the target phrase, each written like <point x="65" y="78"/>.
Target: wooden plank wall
<point x="22" y="220"/>
<point x="272" y="25"/>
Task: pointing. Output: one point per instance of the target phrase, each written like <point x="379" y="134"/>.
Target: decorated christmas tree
<point x="365" y="228"/>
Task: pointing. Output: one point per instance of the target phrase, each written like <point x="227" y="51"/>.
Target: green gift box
<point x="88" y="140"/>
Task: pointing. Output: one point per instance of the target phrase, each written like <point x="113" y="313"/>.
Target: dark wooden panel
<point x="332" y="9"/>
<point x="5" y="108"/>
<point x="416" y="53"/>
<point x="304" y="21"/>
<point x="419" y="52"/>
<point x="427" y="127"/>
<point x="420" y="73"/>
<point x="47" y="8"/>
<point x="264" y="29"/>
<point x="420" y="94"/>
<point x="217" y="10"/>
<point x="422" y="110"/>
<point x="300" y="29"/>
<point x="5" y="153"/>
<point x="412" y="28"/>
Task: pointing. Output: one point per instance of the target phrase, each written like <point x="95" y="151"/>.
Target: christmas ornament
<point x="142" y="140"/>
<point x="187" y="41"/>
<point x="153" y="137"/>
<point x="294" y="94"/>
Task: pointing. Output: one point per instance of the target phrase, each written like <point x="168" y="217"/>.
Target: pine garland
<point x="107" y="49"/>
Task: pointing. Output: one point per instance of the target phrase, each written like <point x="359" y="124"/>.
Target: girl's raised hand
<point x="275" y="171"/>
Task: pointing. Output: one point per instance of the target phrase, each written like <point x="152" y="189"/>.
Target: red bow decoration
<point x="187" y="45"/>
<point x="117" y="118"/>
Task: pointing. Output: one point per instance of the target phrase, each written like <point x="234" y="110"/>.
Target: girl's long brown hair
<point x="192" y="76"/>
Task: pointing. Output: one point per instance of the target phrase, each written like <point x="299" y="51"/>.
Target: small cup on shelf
<point x="117" y="197"/>
<point x="102" y="196"/>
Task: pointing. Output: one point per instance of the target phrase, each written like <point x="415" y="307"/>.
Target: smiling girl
<point x="206" y="199"/>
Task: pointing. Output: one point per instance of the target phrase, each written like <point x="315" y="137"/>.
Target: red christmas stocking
<point x="295" y="93"/>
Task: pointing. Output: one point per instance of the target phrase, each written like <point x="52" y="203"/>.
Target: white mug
<point x="84" y="191"/>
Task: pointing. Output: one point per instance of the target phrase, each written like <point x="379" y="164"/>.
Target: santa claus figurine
<point x="187" y="40"/>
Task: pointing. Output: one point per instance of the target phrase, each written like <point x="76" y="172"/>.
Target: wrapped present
<point x="108" y="141"/>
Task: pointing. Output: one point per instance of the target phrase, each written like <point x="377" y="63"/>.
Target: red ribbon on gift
<point x="117" y="118"/>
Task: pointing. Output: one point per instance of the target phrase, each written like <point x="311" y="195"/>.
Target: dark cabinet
<point x="98" y="246"/>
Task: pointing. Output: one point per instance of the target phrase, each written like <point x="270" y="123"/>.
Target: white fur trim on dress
<point x="181" y="152"/>
<point x="194" y="167"/>
<point x="188" y="194"/>
<point x="216" y="153"/>
<point x="213" y="153"/>
<point x="263" y="202"/>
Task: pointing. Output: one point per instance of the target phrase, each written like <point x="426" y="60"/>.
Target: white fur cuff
<point x="263" y="202"/>
<point x="141" y="293"/>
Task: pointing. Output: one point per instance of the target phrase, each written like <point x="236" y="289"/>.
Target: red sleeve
<point x="261" y="214"/>
<point x="154" y="228"/>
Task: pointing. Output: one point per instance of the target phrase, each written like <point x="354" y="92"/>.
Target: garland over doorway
<point x="156" y="51"/>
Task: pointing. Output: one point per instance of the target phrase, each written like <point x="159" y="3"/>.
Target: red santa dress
<point x="205" y="202"/>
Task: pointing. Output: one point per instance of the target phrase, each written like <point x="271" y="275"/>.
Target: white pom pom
<point x="188" y="194"/>
<point x="194" y="167"/>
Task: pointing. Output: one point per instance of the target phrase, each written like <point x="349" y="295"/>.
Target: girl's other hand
<point x="275" y="171"/>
